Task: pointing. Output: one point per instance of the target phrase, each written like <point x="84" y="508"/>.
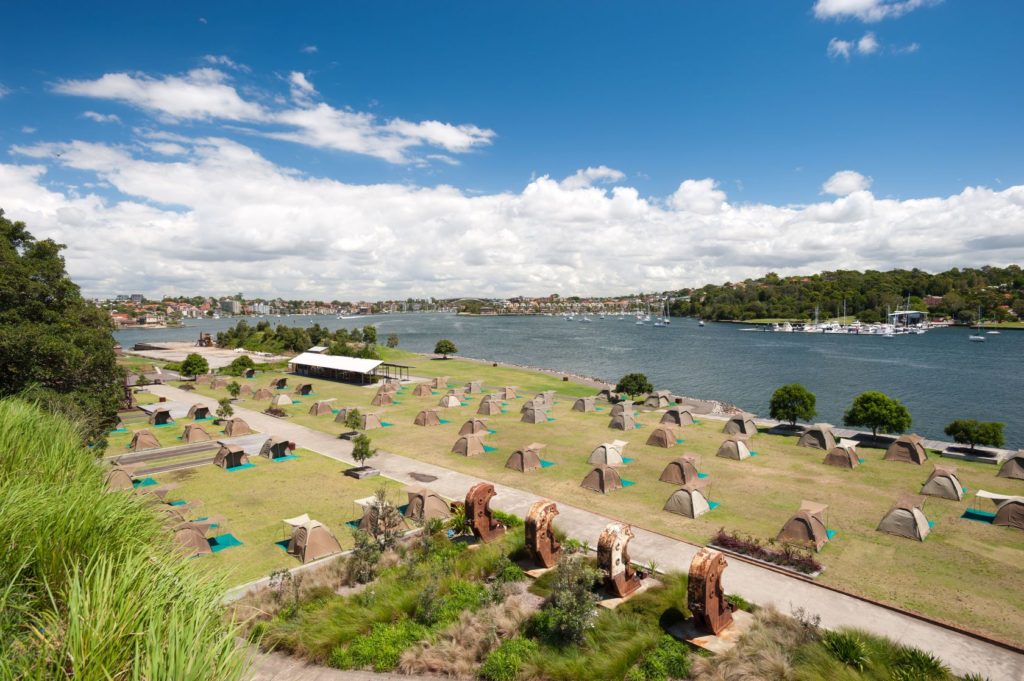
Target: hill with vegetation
<point x="955" y="294"/>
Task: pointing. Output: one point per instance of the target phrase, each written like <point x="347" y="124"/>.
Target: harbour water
<point x="939" y="376"/>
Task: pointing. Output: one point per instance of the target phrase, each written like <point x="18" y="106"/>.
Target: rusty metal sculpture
<point x="613" y="560"/>
<point x="541" y="544"/>
<point x="478" y="513"/>
<point x="704" y="595"/>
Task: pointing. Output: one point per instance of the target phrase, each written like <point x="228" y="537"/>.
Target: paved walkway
<point x="963" y="653"/>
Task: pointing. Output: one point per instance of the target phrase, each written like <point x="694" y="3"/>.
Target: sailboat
<point x="977" y="337"/>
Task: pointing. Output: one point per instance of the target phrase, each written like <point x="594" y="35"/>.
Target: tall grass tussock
<point x="90" y="586"/>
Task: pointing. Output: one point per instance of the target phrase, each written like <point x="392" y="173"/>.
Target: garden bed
<point x="788" y="558"/>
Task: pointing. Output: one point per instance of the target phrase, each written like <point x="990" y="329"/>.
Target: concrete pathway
<point x="762" y="586"/>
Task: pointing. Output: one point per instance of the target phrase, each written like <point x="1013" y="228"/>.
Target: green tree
<point x="445" y="347"/>
<point x="392" y="340"/>
<point x="194" y="364"/>
<point x="972" y="432"/>
<point x="224" y="408"/>
<point x="234" y="389"/>
<point x="239" y="365"/>
<point x="634" y="384"/>
<point x="354" y="419"/>
<point x="362" y="451"/>
<point x="141" y="380"/>
<point x="879" y="412"/>
<point x="370" y="334"/>
<point x="54" y="346"/>
<point x="568" y="612"/>
<point x="792" y="402"/>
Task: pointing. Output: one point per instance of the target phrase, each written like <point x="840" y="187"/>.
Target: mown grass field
<point x="962" y="573"/>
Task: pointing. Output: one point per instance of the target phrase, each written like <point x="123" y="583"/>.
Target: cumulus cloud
<point x="310" y="49"/>
<point x="4" y="91"/>
<point x="698" y="196"/>
<point x="224" y="60"/>
<point x="208" y="94"/>
<point x="586" y="177"/>
<point x="101" y="118"/>
<point x="846" y="182"/>
<point x="839" y="48"/>
<point x="868" y="44"/>
<point x="869" y="11"/>
<point x="906" y="49"/>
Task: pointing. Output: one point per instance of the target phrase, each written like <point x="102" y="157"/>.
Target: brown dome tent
<point x="677" y="416"/>
<point x="547" y="397"/>
<point x="304" y="389"/>
<point x="623" y="421"/>
<point x="382" y="399"/>
<point x="507" y="393"/>
<point x="818" y="436"/>
<point x="198" y="411"/>
<point x="278" y="383"/>
<point x="425" y="505"/>
<point x="1013" y="466"/>
<point x="194" y="433"/>
<point x="584" y="404"/>
<point x="246" y="389"/>
<point x="274" y="448"/>
<point x="659" y="399"/>
<point x="262" y="394"/>
<point x="230" y="456"/>
<point x="906" y="518"/>
<point x="449" y="402"/>
<point x="370" y="422"/>
<point x="1010" y="513"/>
<point x="281" y="400"/>
<point x="690" y="500"/>
<point x="342" y="414"/>
<point x="219" y="382"/>
<point x="457" y="392"/>
<point x="734" y="448"/>
<point x="160" y="416"/>
<point x="190" y="539"/>
<point x="621" y="408"/>
<point x="439" y="383"/>
<point x="741" y="424"/>
<point x="680" y="471"/>
<point x="235" y="427"/>
<point x="390" y="386"/>
<point x="474" y="387"/>
<point x="474" y="427"/>
<point x="321" y="408"/>
<point x="525" y="459"/>
<point x="943" y="482"/>
<point x="534" y="416"/>
<point x="806" y="526"/>
<point x="488" y="408"/>
<point x="842" y="457"/>
<point x="427" y="417"/>
<point x="608" y="454"/>
<point x="422" y="390"/>
<point x="662" y="436"/>
<point x="469" y="445"/>
<point x="311" y="539"/>
<point x="908" y="449"/>
<point x="603" y="479"/>
<point x="119" y="478"/>
<point x="535" y="403"/>
<point x="143" y="439"/>
<point x="203" y="378"/>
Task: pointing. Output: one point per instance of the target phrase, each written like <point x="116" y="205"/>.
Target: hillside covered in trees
<point x="956" y="294"/>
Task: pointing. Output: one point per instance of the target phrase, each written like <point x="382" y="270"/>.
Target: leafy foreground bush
<point x="92" y="589"/>
<point x="505" y="663"/>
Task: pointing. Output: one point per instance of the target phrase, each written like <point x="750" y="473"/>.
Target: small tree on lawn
<point x="370" y="334"/>
<point x="224" y="408"/>
<point x="354" y="419"/>
<point x="392" y="340"/>
<point x="141" y="380"/>
<point x="445" y="347"/>
<point x="972" y="432"/>
<point x="361" y="449"/>
<point x="634" y="384"/>
<point x="568" y="612"/>
<point x="879" y="412"/>
<point x="194" y="364"/>
<point x="792" y="402"/>
<point x="239" y="365"/>
<point x="386" y="523"/>
<point x="234" y="389"/>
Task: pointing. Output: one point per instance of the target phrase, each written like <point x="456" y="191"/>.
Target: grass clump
<point x="505" y="663"/>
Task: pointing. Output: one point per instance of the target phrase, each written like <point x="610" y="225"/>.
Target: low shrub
<point x="439" y="607"/>
<point x="509" y="520"/>
<point x="912" y="663"/>
<point x="505" y="663"/>
<point x="789" y="556"/>
<point x="569" y="610"/>
<point x="381" y="648"/>
<point x="847" y="647"/>
<point x="669" y="660"/>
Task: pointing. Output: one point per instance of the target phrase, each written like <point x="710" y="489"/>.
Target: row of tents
<point x="144" y="439"/>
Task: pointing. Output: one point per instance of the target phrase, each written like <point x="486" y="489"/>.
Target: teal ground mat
<point x="713" y="505"/>
<point x="598" y="408"/>
<point x="179" y="502"/>
<point x="680" y="440"/>
<point x="165" y="425"/>
<point x="290" y="457"/>
<point x="145" y="482"/>
<point x="978" y="516"/>
<point x="444" y="420"/>
<point x="964" y="487"/>
<point x="387" y="424"/>
<point x="469" y="398"/>
<point x="212" y="525"/>
<point x="546" y="464"/>
<point x="931" y="523"/>
<point x="830" y="534"/>
<point x="395" y="402"/>
<point x="627" y="483"/>
<point x="550" y="419"/>
<point x="638" y="425"/>
<point x="504" y="404"/>
<point x="860" y="460"/>
<point x="354" y="524"/>
<point x="504" y="411"/>
<point x="283" y="544"/>
<point x="492" y="432"/>
<point x="240" y="468"/>
<point x="753" y="453"/>
<point x="702" y="475"/>
<point x="207" y="418"/>
<point x="463" y="404"/>
<point x="434" y="392"/>
<point x="118" y="430"/>
<point x="223" y="541"/>
<point x="296" y="401"/>
<point x="488" y="448"/>
<point x="626" y="459"/>
<point x="335" y="411"/>
<point x="697" y="421"/>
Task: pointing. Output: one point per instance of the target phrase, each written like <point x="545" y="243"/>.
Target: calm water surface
<point x="939" y="376"/>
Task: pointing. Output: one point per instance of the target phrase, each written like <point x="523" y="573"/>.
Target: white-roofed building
<point x="348" y="369"/>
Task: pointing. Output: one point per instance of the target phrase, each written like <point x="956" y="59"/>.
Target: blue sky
<point x="767" y="100"/>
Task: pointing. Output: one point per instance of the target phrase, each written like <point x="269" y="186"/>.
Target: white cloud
<point x="869" y="11"/>
<point x="207" y="94"/>
<point x="839" y="48"/>
<point x="310" y="49"/>
<point x="4" y="91"/>
<point x="846" y="182"/>
<point x="226" y="61"/>
<point x="240" y="222"/>
<point x="906" y="49"/>
<point x="101" y="118"/>
<point x="28" y="129"/>
<point x="589" y="176"/>
<point x="868" y="44"/>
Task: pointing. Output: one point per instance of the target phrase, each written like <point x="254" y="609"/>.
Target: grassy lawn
<point x="959" y="574"/>
<point x="253" y="502"/>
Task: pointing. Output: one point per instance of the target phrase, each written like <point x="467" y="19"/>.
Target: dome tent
<point x="690" y="500"/>
<point x="603" y="479"/>
<point x="608" y="454"/>
<point x="677" y="416"/>
<point x="906" y="518"/>
<point x="680" y="471"/>
<point x="908" y="449"/>
<point x="806" y="526"/>
<point x="525" y="459"/>
<point x="734" y="448"/>
<point x="741" y="424"/>
<point x="842" y="456"/>
<point x="944" y="483"/>
<point x="818" y="436"/>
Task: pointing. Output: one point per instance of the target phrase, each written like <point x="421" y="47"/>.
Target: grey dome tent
<point x="806" y="526"/>
<point x="842" y="456"/>
<point x="906" y="518"/>
<point x="474" y="427"/>
<point x="422" y="390"/>
<point x="439" y="383"/>
<point x="278" y="383"/>
<point x="507" y="393"/>
<point x="659" y="399"/>
<point x="235" y="427"/>
<point x="662" y="436"/>
<point x="427" y="417"/>
<point x="943" y="482"/>
<point x="230" y="456"/>
<point x="1010" y="513"/>
<point x="425" y="505"/>
<point x="371" y="421"/>
<point x="741" y="424"/>
<point x="143" y="439"/>
<point x="680" y="471"/>
<point x="194" y="433"/>
<point x="304" y="389"/>
<point x="621" y="408"/>
<point x="584" y="404"/>
<point x="160" y="416"/>
<point x="734" y="448"/>
<point x="281" y="400"/>
<point x="382" y="399"/>
<point x="457" y="392"/>
<point x="198" y="411"/>
<point x="1013" y="466"/>
<point x="535" y="403"/>
<point x="311" y="539"/>
<point x="623" y="421"/>
<point x="469" y="445"/>
<point x="273" y="448"/>
<point x="190" y="539"/>
<point x="603" y="479"/>
<point x="321" y="408"/>
<point x="119" y="478"/>
<point x="488" y="408"/>
<point x="908" y="449"/>
<point x="474" y="387"/>
<point x="525" y="459"/>
<point x="449" y="402"/>
<point x="677" y="416"/>
<point x="262" y="394"/>
<point x="818" y="436"/>
<point x="608" y="454"/>
<point x="534" y="416"/>
<point x="690" y="500"/>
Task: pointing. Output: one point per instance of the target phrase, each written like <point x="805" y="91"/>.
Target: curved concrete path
<point x="963" y="653"/>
